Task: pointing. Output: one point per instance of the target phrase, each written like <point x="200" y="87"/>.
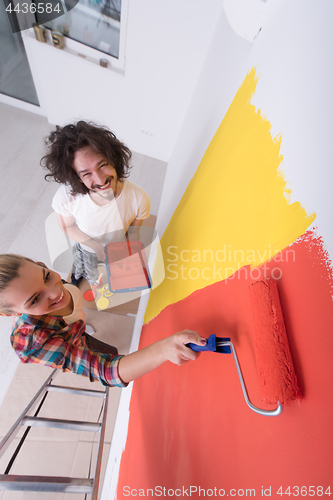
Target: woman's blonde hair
<point x="10" y="265"/>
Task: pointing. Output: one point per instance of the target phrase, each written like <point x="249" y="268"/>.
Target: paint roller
<point x="276" y="373"/>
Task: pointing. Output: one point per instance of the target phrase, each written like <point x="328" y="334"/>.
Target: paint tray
<point x="127" y="267"/>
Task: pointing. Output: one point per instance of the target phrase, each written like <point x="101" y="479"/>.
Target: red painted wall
<point x="190" y="426"/>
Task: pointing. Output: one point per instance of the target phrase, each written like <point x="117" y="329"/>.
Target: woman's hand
<point x="175" y="347"/>
<point x="172" y="349"/>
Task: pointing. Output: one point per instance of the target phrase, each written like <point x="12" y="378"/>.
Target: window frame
<point x="117" y="63"/>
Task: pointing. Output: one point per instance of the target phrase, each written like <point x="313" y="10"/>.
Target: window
<point x="95" y="23"/>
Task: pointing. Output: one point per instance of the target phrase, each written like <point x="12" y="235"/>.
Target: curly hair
<point x="64" y="142"/>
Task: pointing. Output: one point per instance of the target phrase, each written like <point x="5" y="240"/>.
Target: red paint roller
<point x="278" y="381"/>
<point x="276" y="373"/>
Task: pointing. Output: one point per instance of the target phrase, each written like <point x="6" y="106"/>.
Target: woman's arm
<point x="172" y="349"/>
<point x="107" y="367"/>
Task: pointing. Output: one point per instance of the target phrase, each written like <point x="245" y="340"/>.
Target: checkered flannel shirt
<point x="49" y="340"/>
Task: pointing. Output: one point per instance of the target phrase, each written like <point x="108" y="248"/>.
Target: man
<point x="95" y="204"/>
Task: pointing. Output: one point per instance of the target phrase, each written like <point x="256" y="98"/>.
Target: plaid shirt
<point x="49" y="340"/>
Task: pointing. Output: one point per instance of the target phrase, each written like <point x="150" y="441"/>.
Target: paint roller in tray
<point x="277" y="377"/>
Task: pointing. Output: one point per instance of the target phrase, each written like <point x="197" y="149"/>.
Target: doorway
<point x="15" y="74"/>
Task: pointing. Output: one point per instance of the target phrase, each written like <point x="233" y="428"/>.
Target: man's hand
<point x="70" y="228"/>
<point x="99" y="251"/>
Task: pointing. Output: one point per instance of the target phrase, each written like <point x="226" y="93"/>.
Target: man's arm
<point x="133" y="231"/>
<point x="69" y="227"/>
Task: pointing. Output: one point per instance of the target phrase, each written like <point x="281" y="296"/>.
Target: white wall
<point x="293" y="55"/>
<point x="166" y="44"/>
<point x="294" y="58"/>
<point x="221" y="75"/>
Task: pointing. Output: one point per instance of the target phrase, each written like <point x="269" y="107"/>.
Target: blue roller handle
<point x="213" y="345"/>
<point x="210" y="346"/>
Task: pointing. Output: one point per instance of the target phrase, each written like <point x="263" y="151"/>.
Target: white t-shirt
<point x="103" y="223"/>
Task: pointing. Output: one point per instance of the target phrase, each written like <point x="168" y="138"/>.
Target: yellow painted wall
<point x="235" y="211"/>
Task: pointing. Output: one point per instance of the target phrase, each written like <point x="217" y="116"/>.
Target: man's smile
<point x="105" y="186"/>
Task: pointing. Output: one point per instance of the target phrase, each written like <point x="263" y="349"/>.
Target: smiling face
<point x="96" y="173"/>
<point x="36" y="291"/>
